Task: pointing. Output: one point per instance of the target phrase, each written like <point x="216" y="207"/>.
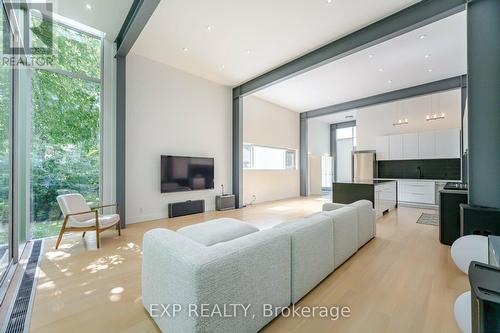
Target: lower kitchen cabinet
<point x="385" y="197"/>
<point x="419" y="192"/>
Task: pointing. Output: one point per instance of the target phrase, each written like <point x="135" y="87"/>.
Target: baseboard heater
<point x="189" y="207"/>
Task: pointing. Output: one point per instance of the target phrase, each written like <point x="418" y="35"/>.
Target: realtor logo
<point x="28" y="33"/>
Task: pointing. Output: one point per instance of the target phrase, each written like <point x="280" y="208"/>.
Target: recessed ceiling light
<point x="329" y="1"/>
<point x="209" y="28"/>
<point x="389" y="81"/>
<point x="223" y="67"/>
<point x="88" y="6"/>
<point x="185" y="49"/>
<point x="248" y="51"/>
<point x="381" y="70"/>
<point x="422" y="36"/>
<point x="371" y="55"/>
<point x="430" y="70"/>
<point x="427" y="56"/>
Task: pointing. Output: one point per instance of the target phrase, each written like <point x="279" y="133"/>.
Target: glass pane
<point x="247" y="156"/>
<point x="290" y="159"/>
<point x="74" y="51"/>
<point x="326" y="172"/>
<point x="268" y="158"/>
<point x="5" y="165"/>
<point x="344" y="160"/>
<point x="64" y="146"/>
<point x="344" y="133"/>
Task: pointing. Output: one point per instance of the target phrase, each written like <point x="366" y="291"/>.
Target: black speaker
<point x="186" y="208"/>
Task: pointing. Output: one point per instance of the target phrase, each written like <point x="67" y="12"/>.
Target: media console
<point x="189" y="207"/>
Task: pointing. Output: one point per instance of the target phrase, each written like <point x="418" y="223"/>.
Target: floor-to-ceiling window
<point x="65" y="125"/>
<point x="346" y="142"/>
<point x="6" y="97"/>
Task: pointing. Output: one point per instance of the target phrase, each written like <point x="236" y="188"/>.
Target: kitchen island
<point x="382" y="193"/>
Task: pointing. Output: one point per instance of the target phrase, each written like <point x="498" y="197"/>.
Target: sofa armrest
<point x="329" y="206"/>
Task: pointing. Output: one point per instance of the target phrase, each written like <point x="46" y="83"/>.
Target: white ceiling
<point x="338" y="117"/>
<point x="105" y="15"/>
<point x="248" y="38"/>
<point x="402" y="59"/>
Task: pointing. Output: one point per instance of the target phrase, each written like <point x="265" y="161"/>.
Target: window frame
<point x="286" y="152"/>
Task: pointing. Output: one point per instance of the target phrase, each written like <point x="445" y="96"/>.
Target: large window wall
<point x="6" y="98"/>
<point x="65" y="125"/>
<point x="50" y="129"/>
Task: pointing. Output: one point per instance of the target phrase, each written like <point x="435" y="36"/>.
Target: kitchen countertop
<point x="366" y="181"/>
<point x="422" y="180"/>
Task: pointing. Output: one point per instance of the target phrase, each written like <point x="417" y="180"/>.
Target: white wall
<point x="172" y="112"/>
<point x="377" y="120"/>
<point x="268" y="124"/>
<point x="318" y="134"/>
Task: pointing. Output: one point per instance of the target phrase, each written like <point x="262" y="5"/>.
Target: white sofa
<point x="226" y="262"/>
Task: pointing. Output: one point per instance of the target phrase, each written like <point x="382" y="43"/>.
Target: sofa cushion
<point x="332" y="206"/>
<point x="366" y="221"/>
<point x="312" y="252"/>
<point x="217" y="231"/>
<point x="345" y="232"/>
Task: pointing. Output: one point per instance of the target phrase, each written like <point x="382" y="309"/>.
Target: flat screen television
<point x="180" y="173"/>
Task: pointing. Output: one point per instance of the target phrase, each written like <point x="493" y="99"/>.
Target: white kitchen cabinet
<point x="385" y="197"/>
<point x="382" y="147"/>
<point x="419" y="192"/>
<point x="448" y="143"/>
<point x="427" y="145"/>
<point x="396" y="147"/>
<point x="410" y="146"/>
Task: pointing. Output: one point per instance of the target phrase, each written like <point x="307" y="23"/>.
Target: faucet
<point x="419" y="172"/>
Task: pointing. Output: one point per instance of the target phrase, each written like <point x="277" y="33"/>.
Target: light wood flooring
<point x="402" y="281"/>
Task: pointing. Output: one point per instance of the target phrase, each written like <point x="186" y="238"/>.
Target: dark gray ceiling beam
<point x="139" y="14"/>
<point x="423" y="89"/>
<point x="413" y="17"/>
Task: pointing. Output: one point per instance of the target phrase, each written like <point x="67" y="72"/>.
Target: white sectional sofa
<point x="224" y="263"/>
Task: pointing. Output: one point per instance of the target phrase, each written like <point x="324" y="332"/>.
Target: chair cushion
<point x="104" y="221"/>
<point x="217" y="231"/>
<point x="75" y="203"/>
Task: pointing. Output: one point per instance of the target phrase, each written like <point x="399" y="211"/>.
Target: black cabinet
<point x="449" y="215"/>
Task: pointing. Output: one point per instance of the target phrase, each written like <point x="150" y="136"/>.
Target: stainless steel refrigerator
<point x="364" y="165"/>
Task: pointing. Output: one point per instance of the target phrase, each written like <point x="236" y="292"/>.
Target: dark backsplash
<point x="446" y="169"/>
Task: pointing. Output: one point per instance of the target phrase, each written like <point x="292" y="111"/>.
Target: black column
<point x="238" y="149"/>
<point x="121" y="93"/>
<point x="304" y="150"/>
<point x="483" y="69"/>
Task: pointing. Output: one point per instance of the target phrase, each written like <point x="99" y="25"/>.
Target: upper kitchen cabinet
<point x="448" y="143"/>
<point x="427" y="145"/>
<point x="410" y="146"/>
<point x="396" y="147"/>
<point x="382" y="147"/>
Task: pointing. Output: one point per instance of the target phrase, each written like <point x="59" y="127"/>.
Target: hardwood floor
<point x="402" y="281"/>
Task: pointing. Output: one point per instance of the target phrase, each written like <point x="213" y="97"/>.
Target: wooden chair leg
<point x="98" y="236"/>
<point x="119" y="228"/>
<point x="59" y="238"/>
<point x="83" y="236"/>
